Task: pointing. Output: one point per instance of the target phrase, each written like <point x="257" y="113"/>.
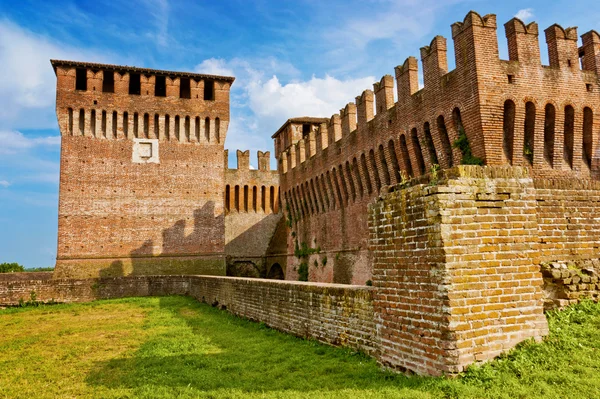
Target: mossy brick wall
<point x="330" y="313"/>
<point x="25" y="276"/>
<point x="456" y="269"/>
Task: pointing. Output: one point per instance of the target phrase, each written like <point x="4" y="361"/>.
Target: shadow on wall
<point x="276" y="255"/>
<point x="177" y="244"/>
<point x="246" y="253"/>
<point x="255" y="240"/>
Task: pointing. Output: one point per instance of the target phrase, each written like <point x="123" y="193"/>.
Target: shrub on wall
<point x="462" y="143"/>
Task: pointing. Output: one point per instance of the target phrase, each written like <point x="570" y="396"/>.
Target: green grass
<point x="175" y="347"/>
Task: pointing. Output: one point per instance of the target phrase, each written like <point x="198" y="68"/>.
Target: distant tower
<point x="142" y="174"/>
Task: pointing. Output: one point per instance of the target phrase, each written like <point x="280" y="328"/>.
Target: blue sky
<point x="290" y="58"/>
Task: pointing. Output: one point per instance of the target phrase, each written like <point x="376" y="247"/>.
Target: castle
<point x="445" y="201"/>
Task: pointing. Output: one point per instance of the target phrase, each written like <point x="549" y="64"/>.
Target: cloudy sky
<point x="290" y="58"/>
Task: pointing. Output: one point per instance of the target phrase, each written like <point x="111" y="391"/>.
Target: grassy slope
<point x="175" y="347"/>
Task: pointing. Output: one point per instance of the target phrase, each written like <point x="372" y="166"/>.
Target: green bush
<point x="303" y="271"/>
<point x="11" y="268"/>
<point x="462" y="143"/>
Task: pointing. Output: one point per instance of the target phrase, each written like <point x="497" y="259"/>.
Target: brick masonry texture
<point x="25" y="276"/>
<point x="117" y="217"/>
<point x="568" y="213"/>
<point x="121" y="213"/>
<point x="456" y="269"/>
<point x="251" y="216"/>
<point x="334" y="314"/>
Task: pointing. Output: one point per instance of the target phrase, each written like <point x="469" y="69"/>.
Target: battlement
<point x="251" y="190"/>
<point x="243" y="161"/>
<point x="515" y="112"/>
<point x="590" y="60"/>
<point x="293" y="130"/>
<point x="473" y="19"/>
<point x="122" y="102"/>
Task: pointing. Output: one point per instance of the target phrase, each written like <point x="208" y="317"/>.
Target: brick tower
<point x="142" y="174"/>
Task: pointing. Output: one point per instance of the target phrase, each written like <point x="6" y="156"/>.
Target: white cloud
<point x="27" y="81"/>
<point x="247" y="71"/>
<point x="268" y="91"/>
<point x="214" y="66"/>
<point x="525" y="14"/>
<point x="159" y="10"/>
<point x="14" y="141"/>
<point x="315" y="97"/>
<point x="26" y="159"/>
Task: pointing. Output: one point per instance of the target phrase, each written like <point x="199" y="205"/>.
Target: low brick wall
<point x="331" y="313"/>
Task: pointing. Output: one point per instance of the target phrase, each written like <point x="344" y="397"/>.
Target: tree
<point x="11" y="267"/>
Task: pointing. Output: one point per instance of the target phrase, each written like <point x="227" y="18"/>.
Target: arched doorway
<point x="276" y="272"/>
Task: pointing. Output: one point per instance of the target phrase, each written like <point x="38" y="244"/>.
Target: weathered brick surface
<point x="566" y="283"/>
<point x="333" y="314"/>
<point x="114" y="215"/>
<point x="25" y="276"/>
<point x="453" y="256"/>
<point x="456" y="269"/>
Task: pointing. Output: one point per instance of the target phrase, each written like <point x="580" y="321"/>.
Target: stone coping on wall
<point x="21" y="279"/>
<point x="126" y="68"/>
<point x="494" y="172"/>
<point x="462" y="171"/>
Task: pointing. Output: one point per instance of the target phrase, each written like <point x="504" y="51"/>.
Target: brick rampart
<point x="513" y="112"/>
<point x="568" y="213"/>
<point x="25" y="276"/>
<point x="333" y="314"/>
<point x="456" y="269"/>
<point x="566" y="283"/>
<point x="456" y="276"/>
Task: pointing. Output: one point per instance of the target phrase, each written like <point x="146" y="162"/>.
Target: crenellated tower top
<point x="123" y="102"/>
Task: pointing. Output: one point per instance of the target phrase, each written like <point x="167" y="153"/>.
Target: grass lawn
<point x="175" y="347"/>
